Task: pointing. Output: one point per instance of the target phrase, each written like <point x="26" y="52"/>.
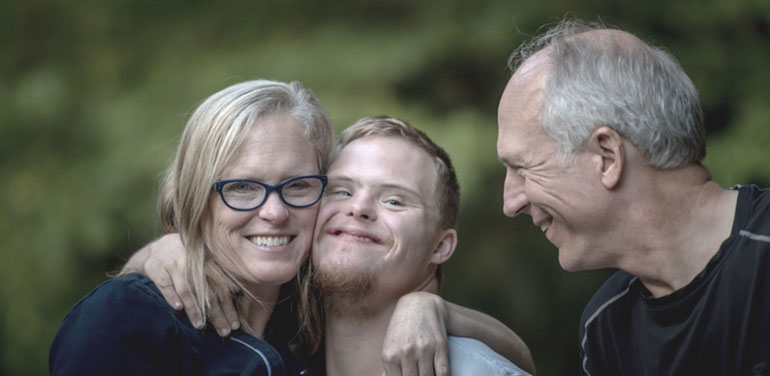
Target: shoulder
<point x="468" y="356"/>
<point x="132" y="294"/>
<point x="610" y="305"/>
<point x="753" y="209"/>
<point x="127" y="304"/>
<point x="121" y="320"/>
<point x="618" y="286"/>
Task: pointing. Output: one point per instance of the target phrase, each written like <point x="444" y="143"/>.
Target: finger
<point x="409" y="369"/>
<point x="392" y="371"/>
<point x="441" y="361"/>
<point x="230" y="314"/>
<point x="392" y="363"/>
<point x="425" y="368"/>
<point x="183" y="291"/>
<point x="165" y="284"/>
<point x="228" y="307"/>
<point x="426" y="348"/>
<point x="218" y="319"/>
<point x="181" y="287"/>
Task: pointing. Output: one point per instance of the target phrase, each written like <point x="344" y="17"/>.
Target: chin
<point x="275" y="276"/>
<point x="570" y="264"/>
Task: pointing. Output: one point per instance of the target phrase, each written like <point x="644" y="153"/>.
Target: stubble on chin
<point x="343" y="290"/>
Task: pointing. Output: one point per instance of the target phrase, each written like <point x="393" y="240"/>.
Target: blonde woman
<point x="242" y="193"/>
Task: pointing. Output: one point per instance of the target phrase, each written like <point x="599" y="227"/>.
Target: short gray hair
<point x="638" y="90"/>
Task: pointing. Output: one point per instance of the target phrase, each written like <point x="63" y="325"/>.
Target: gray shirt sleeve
<point x="468" y="356"/>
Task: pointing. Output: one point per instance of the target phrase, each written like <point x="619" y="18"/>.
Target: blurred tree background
<point x="93" y="95"/>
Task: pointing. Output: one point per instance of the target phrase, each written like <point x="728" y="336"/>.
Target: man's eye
<point x="340" y="192"/>
<point x="520" y="172"/>
<point x="394" y="202"/>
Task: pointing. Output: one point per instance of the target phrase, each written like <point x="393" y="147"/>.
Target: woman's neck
<point x="255" y="306"/>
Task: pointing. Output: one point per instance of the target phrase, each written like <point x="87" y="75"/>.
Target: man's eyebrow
<point x="347" y="179"/>
<point x="508" y="161"/>
<point x="402" y="188"/>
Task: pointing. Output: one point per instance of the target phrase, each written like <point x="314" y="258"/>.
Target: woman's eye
<point x="239" y="187"/>
<point x="297" y="186"/>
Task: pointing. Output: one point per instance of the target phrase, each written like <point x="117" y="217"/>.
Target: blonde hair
<point x="210" y="140"/>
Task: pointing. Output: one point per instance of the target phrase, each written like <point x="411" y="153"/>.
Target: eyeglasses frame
<point x="219" y="184"/>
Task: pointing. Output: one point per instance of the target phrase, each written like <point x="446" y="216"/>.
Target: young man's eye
<point x="339" y="192"/>
<point x="393" y="202"/>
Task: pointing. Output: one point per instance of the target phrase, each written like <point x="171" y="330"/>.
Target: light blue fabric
<point x="470" y="357"/>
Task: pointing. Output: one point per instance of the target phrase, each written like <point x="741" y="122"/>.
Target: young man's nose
<point x="362" y="207"/>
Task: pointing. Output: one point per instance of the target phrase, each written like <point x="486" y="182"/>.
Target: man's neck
<point x="354" y="337"/>
<point x="680" y="227"/>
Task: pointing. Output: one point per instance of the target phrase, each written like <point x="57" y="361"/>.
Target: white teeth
<point x="270" y="241"/>
<point x="544" y="228"/>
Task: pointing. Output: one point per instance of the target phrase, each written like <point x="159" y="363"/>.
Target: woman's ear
<point x="607" y="146"/>
<point x="445" y="247"/>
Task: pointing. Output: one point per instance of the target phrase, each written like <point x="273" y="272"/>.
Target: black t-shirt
<point x="718" y="324"/>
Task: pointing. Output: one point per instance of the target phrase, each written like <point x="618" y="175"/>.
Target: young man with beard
<point x="386" y="224"/>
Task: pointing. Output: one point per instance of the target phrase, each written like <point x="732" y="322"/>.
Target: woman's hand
<point x="416" y="340"/>
<point x="163" y="262"/>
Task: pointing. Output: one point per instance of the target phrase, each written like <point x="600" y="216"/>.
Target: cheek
<point x="227" y="221"/>
<point x="326" y="210"/>
<point x="305" y="222"/>
<point x="305" y="219"/>
<point x="221" y="232"/>
<point x="411" y="236"/>
<point x="223" y="218"/>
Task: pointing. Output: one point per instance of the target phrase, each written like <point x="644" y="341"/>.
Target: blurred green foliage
<point x="94" y="94"/>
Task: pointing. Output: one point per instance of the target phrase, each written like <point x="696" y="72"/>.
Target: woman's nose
<point x="274" y="209"/>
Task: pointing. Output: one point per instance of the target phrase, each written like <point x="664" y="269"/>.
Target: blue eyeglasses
<point x="245" y="194"/>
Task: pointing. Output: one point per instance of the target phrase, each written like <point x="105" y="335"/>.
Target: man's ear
<point x="447" y="242"/>
<point x="607" y="146"/>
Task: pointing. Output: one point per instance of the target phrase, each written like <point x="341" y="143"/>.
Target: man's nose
<point x="515" y="200"/>
<point x="362" y="207"/>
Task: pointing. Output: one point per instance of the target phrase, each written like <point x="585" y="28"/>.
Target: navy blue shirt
<point x="125" y="327"/>
<point x="718" y="324"/>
